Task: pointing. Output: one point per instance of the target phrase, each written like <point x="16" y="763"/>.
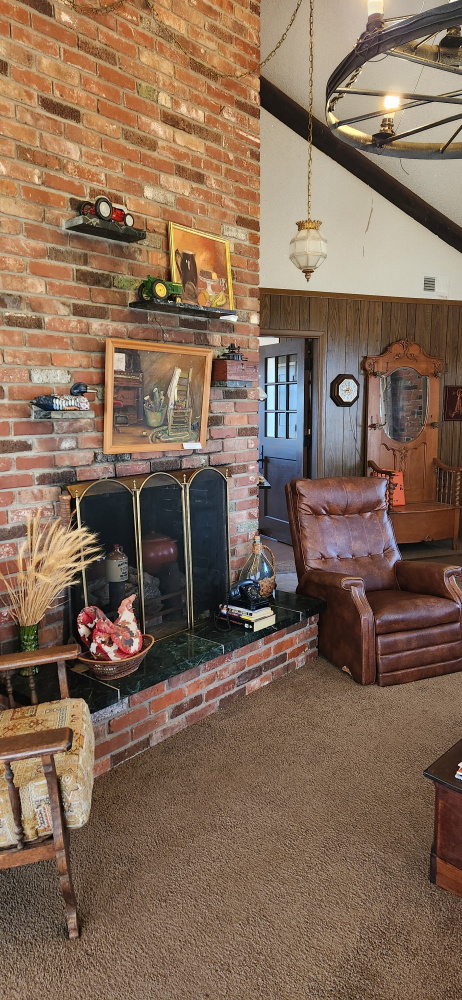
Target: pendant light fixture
<point x="308" y="248"/>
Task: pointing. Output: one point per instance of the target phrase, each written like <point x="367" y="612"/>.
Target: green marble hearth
<point x="167" y="658"/>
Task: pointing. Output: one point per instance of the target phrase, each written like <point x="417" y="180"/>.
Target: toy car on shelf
<point x="106" y="211"/>
<point x="157" y="288"/>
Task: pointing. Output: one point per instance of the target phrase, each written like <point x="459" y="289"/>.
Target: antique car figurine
<point x="106" y="211"/>
<point x="157" y="288"/>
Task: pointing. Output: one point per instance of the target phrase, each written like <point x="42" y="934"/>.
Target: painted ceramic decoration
<point x="108" y="640"/>
<point x="74" y="401"/>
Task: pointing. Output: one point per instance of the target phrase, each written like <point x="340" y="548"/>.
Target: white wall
<point x="373" y="247"/>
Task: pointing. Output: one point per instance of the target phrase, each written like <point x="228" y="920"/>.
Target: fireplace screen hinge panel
<point x="165" y="539"/>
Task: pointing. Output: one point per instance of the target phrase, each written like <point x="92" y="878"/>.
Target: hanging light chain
<point x="283" y="36"/>
<point x="85" y="8"/>
<point x="310" y="108"/>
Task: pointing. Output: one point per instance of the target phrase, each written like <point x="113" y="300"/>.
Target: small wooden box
<point x="227" y="370"/>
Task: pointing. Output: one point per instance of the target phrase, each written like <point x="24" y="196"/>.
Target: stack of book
<point x="459" y="770"/>
<point x="255" y="620"/>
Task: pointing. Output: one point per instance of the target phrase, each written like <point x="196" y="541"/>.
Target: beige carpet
<point x="278" y="850"/>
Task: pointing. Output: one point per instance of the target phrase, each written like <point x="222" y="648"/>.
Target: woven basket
<point x="111" y="669"/>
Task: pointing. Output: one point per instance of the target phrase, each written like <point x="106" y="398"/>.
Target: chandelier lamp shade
<point x="431" y="39"/>
<point x="308" y="248"/>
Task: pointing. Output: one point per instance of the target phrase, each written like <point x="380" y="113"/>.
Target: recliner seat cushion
<point x="401" y="610"/>
<point x="74" y="769"/>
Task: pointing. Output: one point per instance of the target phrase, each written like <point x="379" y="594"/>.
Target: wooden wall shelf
<point x="91" y="225"/>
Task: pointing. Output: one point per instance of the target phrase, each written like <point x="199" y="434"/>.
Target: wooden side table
<point x="446" y="852"/>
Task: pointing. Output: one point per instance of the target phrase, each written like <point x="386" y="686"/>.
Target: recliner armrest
<point x="423" y="577"/>
<point x="347" y="626"/>
<point x="325" y="578"/>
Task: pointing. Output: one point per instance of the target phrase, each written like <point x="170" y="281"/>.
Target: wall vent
<point x="436" y="286"/>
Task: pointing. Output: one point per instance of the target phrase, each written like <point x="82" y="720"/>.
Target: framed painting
<point x="202" y="263"/>
<point x="157" y="396"/>
<point x="452" y="405"/>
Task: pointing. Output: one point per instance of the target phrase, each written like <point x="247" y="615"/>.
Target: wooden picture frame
<point x="202" y="263"/>
<point x="156" y="397"/>
<point x="452" y="402"/>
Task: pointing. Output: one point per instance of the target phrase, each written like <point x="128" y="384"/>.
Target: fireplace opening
<point x="165" y="538"/>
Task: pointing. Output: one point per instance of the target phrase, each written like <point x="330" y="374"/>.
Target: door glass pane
<point x="270" y="369"/>
<point x="281" y="425"/>
<point x="292" y="368"/>
<point x="282" y="397"/>
<point x="282" y="367"/>
<point x="292" y="425"/>
<point x="270" y="425"/>
<point x="271" y="396"/>
<point x="293" y="396"/>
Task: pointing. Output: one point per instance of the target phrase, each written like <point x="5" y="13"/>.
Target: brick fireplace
<point x="158" y="115"/>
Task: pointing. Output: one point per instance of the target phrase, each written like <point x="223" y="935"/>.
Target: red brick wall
<point x="156" y="115"/>
<point x="163" y="710"/>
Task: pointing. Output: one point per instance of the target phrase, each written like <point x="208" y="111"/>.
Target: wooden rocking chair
<point x="179" y="411"/>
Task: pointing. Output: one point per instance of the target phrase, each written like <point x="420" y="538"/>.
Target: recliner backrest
<point x="342" y="525"/>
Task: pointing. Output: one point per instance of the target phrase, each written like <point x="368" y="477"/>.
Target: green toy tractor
<point x="157" y="288"/>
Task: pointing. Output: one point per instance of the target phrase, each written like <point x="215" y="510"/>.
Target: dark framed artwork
<point x="156" y="396"/>
<point x="452" y="403"/>
<point x="202" y="263"/>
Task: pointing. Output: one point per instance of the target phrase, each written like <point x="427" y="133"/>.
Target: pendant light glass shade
<point x="308" y="248"/>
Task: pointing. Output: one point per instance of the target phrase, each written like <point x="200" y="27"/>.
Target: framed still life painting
<point x="156" y="397"/>
<point x="202" y="263"/>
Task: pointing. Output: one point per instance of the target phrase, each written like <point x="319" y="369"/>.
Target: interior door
<point x="284" y="428"/>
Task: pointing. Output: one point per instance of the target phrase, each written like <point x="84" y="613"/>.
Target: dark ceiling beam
<point x="295" y="117"/>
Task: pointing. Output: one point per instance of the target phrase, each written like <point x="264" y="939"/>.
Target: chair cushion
<point x="342" y="525"/>
<point x="74" y="768"/>
<point x="401" y="610"/>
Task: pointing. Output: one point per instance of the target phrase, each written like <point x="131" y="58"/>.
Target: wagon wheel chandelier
<point x="402" y="38"/>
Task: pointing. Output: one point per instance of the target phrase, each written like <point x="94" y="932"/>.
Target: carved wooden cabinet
<point x="403" y="413"/>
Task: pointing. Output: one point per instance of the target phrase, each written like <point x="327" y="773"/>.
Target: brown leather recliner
<point x="387" y="620"/>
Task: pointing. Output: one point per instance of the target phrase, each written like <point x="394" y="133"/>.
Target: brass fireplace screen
<point x="172" y="530"/>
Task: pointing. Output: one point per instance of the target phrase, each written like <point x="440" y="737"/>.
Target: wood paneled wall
<point x="351" y="328"/>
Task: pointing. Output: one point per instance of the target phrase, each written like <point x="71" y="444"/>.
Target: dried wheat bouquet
<point x="49" y="559"/>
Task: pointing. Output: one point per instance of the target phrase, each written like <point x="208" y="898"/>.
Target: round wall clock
<point x="344" y="390"/>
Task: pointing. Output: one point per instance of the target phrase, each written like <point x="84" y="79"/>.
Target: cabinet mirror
<point x="403" y="404"/>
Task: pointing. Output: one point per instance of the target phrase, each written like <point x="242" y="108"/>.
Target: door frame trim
<point x="317" y="388"/>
